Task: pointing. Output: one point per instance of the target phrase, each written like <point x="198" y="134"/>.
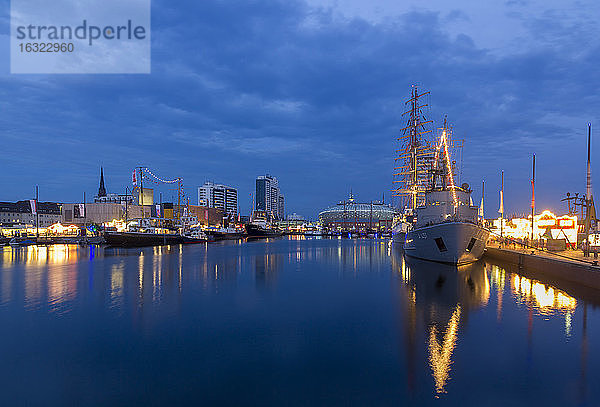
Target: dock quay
<point x="567" y="267"/>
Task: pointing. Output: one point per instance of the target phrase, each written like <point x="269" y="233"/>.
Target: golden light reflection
<point x="157" y="274"/>
<point x="440" y="354"/>
<point x="405" y="272"/>
<point x="116" y="284"/>
<point x="568" y="323"/>
<point x="485" y="294"/>
<point x="58" y="285"/>
<point x="141" y="276"/>
<point x="498" y="277"/>
<point x="41" y="255"/>
<point x="545" y="298"/>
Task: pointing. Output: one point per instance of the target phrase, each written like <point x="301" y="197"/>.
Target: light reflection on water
<point x="418" y="328"/>
<point x="443" y="297"/>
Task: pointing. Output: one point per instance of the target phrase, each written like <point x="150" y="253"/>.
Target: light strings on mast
<point x="447" y="163"/>
<point x="449" y="168"/>
<point x="414" y="157"/>
<point x="147" y="175"/>
<point x="150" y="176"/>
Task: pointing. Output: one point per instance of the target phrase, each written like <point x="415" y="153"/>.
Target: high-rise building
<point x="269" y="197"/>
<point x="218" y="196"/>
<point x="281" y="207"/>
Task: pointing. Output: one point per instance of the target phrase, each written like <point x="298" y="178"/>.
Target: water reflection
<point x="443" y="296"/>
<point x="329" y="313"/>
<point x="56" y="276"/>
<point x="438" y="300"/>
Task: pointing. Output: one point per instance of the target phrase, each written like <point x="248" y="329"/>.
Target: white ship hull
<point x="451" y="242"/>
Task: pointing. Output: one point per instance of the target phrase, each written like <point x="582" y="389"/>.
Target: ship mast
<point x="414" y="157"/>
<point x="443" y="166"/>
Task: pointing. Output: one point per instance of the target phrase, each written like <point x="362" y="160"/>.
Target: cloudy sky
<point x="312" y="92"/>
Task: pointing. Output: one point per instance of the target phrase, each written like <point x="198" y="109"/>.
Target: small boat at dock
<point x="139" y="239"/>
<point x="257" y="230"/>
<point x="196" y="235"/>
<point x="22" y="241"/>
<point x="229" y="233"/>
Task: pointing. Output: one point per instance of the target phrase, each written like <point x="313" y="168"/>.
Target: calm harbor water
<point x="287" y="322"/>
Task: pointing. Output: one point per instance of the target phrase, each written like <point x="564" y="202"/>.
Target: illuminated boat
<point x="228" y="233"/>
<point x="448" y="228"/>
<point x="401" y="225"/>
<point x="196" y="235"/>
<point x="415" y="155"/>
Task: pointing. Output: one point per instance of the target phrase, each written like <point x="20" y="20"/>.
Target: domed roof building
<point x="352" y="215"/>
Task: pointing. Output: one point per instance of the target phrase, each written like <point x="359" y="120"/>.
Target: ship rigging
<point x="415" y="155"/>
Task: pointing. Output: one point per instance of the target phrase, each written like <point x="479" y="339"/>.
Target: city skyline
<point x="314" y="92"/>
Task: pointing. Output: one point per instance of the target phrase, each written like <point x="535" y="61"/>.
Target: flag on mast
<point x="33" y="204"/>
<point x="532" y="194"/>
<point x="480" y="213"/>
<point x="588" y="188"/>
<point x="501" y="210"/>
<point x="133" y="178"/>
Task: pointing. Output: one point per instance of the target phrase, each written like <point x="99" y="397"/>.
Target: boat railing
<point x="452" y="220"/>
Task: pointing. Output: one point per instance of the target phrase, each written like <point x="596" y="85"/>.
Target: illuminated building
<point x="101" y="212"/>
<point x="351" y="215"/>
<point x="546" y="225"/>
<point x="20" y="213"/>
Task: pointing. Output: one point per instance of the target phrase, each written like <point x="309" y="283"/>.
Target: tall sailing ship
<point x="412" y="164"/>
<point x="447" y="228"/>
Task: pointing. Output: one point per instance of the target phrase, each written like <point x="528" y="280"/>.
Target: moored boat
<point x="448" y="228"/>
<point x="400" y="226"/>
<point x="195" y="235"/>
<point x="261" y="230"/>
<point x="139" y="239"/>
<point x="22" y="241"/>
<point x="229" y="233"/>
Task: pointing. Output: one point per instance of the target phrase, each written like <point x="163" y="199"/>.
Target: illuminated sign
<point x="545" y="225"/>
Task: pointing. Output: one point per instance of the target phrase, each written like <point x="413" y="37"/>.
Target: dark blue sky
<point x="312" y="93"/>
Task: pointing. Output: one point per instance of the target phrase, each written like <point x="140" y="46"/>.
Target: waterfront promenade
<point x="575" y="256"/>
<point x="569" y="265"/>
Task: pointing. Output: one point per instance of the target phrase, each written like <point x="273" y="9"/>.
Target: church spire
<point x="101" y="190"/>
